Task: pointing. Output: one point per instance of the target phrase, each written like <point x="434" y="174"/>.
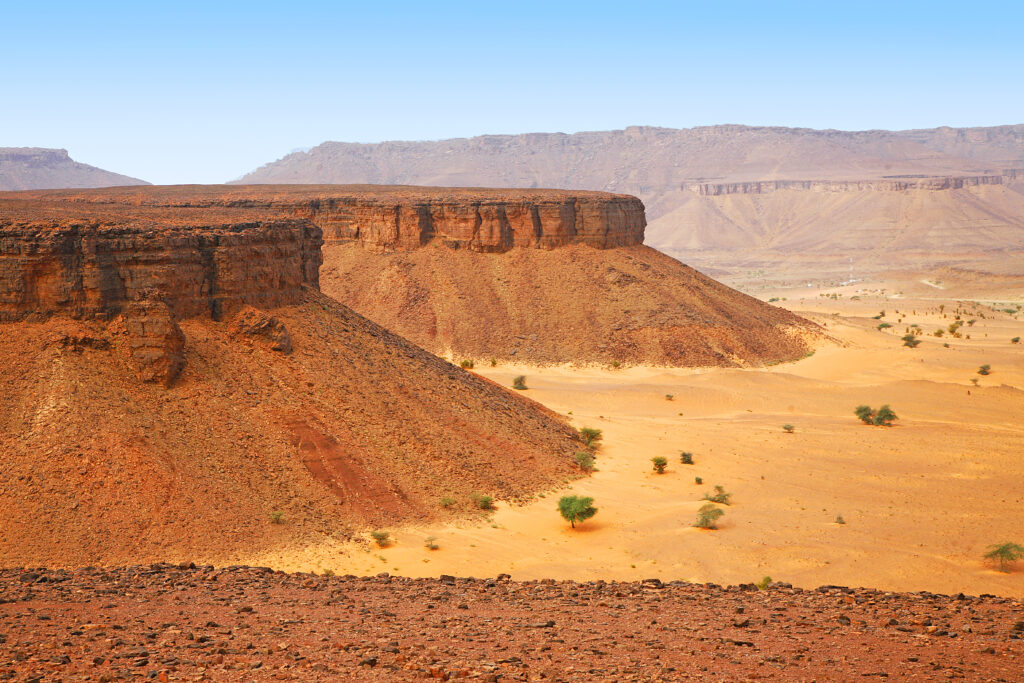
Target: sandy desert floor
<point x="921" y="500"/>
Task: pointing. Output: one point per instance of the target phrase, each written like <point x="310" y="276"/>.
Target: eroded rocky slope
<point x="173" y="377"/>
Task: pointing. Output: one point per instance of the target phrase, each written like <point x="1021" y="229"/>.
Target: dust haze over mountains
<point x="37" y="168"/>
<point x="703" y="209"/>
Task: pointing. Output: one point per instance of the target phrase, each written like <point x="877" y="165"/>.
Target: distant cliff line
<point x="878" y="185"/>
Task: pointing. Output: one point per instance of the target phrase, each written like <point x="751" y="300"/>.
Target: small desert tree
<point x="708" y="516"/>
<point x="985" y="369"/>
<point x="686" y="458"/>
<point x="720" y="495"/>
<point x="789" y="429"/>
<point x="885" y="416"/>
<point x="864" y="414"/>
<point x="911" y="341"/>
<point x="382" y="538"/>
<point x="576" y="509"/>
<point x="519" y="382"/>
<point x="585" y="460"/>
<point x="659" y="463"/>
<point x="590" y="436"/>
<point x="1004" y="554"/>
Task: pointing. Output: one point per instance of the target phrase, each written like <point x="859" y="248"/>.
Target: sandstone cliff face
<point x="400" y="218"/>
<point x="84" y="266"/>
<point x="485" y="226"/>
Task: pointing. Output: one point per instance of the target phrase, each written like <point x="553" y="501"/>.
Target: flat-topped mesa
<point x="84" y="260"/>
<point x="401" y="218"/>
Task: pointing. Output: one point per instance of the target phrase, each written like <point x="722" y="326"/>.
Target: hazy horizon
<point x="194" y="94"/>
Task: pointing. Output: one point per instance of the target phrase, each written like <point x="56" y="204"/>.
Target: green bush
<point x="576" y="509"/>
<point x="431" y="543"/>
<point x="762" y="585"/>
<point x="659" y="462"/>
<point x="382" y="538"/>
<point x="840" y="520"/>
<point x="708" y="516"/>
<point x="985" y="370"/>
<point x="884" y="326"/>
<point x="720" y="496"/>
<point x="686" y="458"/>
<point x="483" y="502"/>
<point x="494" y="362"/>
<point x="789" y="429"/>
<point x="698" y="481"/>
<point x="590" y="436"/>
<point x="519" y="383"/>
<point x="276" y="517"/>
<point x="585" y="460"/>
<point x="1015" y="340"/>
<point x="884" y="416"/>
<point x="911" y="341"/>
<point x="1004" y="554"/>
<point x="467" y="364"/>
<point x="447" y="502"/>
<point x="672" y="397"/>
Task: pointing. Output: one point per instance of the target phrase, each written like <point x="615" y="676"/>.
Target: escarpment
<point x="91" y="261"/>
<point x="162" y="359"/>
<point x="401" y="218"/>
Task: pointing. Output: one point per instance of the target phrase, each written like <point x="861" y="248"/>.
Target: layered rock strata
<point x="86" y="261"/>
<point x="401" y="218"/>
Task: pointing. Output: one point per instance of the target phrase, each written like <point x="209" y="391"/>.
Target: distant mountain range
<point x="705" y="196"/>
<point x="38" y="168"/>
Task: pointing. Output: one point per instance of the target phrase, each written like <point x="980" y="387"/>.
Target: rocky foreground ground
<point x="168" y="623"/>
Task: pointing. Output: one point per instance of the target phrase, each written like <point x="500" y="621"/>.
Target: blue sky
<point x="205" y="91"/>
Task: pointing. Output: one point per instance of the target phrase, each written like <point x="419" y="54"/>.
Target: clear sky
<point x="206" y="91"/>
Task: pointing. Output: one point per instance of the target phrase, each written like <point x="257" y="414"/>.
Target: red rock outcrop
<point x="83" y="260"/>
<point x="256" y="324"/>
<point x="388" y="218"/>
<point x="155" y="343"/>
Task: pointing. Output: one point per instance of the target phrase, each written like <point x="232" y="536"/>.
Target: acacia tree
<point x="1004" y="554"/>
<point x="576" y="509"/>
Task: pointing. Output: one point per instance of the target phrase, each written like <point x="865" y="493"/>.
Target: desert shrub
<point x="840" y="520"/>
<point x="447" y="502"/>
<point x="382" y="538"/>
<point x="698" y="481"/>
<point x="985" y="370"/>
<point x="686" y="458"/>
<point x="911" y="341"/>
<point x="720" y="496"/>
<point x="1015" y="340"/>
<point x="884" y="326"/>
<point x="672" y="397"/>
<point x="881" y="314"/>
<point x="789" y="429"/>
<point x="519" y="382"/>
<point x="590" y="436"/>
<point x="494" y="362"/>
<point x="939" y="332"/>
<point x="864" y="414"/>
<point x="974" y="381"/>
<point x="1004" y="554"/>
<point x="466" y="364"/>
<point x="708" y="516"/>
<point x="276" y="517"/>
<point x="659" y="462"/>
<point x="585" y="460"/>
<point x="616" y="364"/>
<point x="431" y="543"/>
<point x="576" y="509"/>
<point x="483" y="502"/>
<point x="885" y="416"/>
<point x="762" y="585"/>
